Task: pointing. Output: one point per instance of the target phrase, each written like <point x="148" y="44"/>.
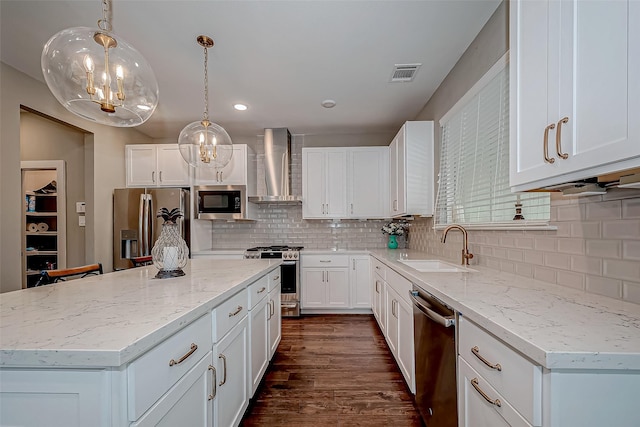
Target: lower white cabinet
<point x="325" y="281"/>
<point x="188" y="402"/>
<point x="359" y="281"/>
<point x="259" y="338"/>
<point x="232" y="397"/>
<point x="394" y="314"/>
<point x="274" y="319"/>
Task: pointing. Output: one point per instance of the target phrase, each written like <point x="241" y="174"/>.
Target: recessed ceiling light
<point x="240" y="107"/>
<point x="328" y="103"/>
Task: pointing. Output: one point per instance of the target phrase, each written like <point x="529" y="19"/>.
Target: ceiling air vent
<point x="404" y="72"/>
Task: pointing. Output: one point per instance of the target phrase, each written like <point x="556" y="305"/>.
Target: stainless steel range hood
<point x="277" y="169"/>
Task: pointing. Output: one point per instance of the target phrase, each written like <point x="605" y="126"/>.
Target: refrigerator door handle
<point x="151" y="219"/>
<point x="141" y="245"/>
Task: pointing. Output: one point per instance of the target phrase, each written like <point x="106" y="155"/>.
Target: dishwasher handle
<point x="446" y="321"/>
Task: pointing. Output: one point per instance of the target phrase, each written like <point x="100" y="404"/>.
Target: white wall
<point x="104" y="165"/>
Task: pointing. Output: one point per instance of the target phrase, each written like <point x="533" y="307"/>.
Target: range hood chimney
<point x="277" y="168"/>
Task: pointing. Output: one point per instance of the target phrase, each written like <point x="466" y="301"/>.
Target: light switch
<point x="80" y="207"/>
<point x="81" y="220"/>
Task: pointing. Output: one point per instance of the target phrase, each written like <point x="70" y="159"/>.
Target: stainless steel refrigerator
<point x="135" y="224"/>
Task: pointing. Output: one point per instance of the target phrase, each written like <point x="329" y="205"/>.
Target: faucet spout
<point x="466" y="255"/>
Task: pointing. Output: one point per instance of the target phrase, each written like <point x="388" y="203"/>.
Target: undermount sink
<point x="434" y="266"/>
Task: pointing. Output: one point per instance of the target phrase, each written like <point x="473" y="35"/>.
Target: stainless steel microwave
<point x="227" y="202"/>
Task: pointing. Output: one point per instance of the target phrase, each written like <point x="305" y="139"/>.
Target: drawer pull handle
<point x="276" y="278"/>
<point x="546" y="144"/>
<point x="224" y="366"/>
<point x="262" y="289"/>
<point x="559" y="138"/>
<point x="495" y="402"/>
<point x="476" y="352"/>
<point x="325" y="260"/>
<point x="238" y="310"/>
<point x="192" y="350"/>
<point x="214" y="382"/>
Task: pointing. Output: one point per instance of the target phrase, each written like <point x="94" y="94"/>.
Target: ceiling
<point x="281" y="58"/>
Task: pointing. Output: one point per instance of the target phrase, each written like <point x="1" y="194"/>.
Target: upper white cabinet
<point x="411" y="184"/>
<point x="156" y="165"/>
<point x="236" y="172"/>
<point x="324" y="183"/>
<point x="574" y="96"/>
<point x="367" y="182"/>
<point x="345" y="182"/>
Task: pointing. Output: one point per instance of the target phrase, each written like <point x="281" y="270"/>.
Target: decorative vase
<point x="393" y="241"/>
<point x="170" y="252"/>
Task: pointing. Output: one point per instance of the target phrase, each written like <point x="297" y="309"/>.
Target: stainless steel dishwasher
<point x="435" y="355"/>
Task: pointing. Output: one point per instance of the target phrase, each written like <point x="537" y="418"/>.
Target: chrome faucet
<point x="466" y="255"/>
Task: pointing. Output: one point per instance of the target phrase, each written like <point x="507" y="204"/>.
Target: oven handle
<point x="288" y="262"/>
<point x="442" y="320"/>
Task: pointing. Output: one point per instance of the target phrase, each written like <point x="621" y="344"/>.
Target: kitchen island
<point x="554" y="356"/>
<point x="89" y="347"/>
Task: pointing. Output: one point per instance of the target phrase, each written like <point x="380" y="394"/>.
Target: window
<point x="473" y="185"/>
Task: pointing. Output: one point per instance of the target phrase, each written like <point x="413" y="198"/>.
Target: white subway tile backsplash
<point x="604" y="286"/>
<point x="604" y="210"/>
<point x="625" y="270"/>
<point x="631" y="208"/>
<point x="571" y="246"/>
<point x="544" y="274"/>
<point x="525" y="270"/>
<point x="604" y="248"/>
<point x="629" y="229"/>
<point x="547" y="244"/>
<point x="587" y="265"/>
<point x="586" y="229"/>
<point x="631" y="249"/>
<point x="525" y="242"/>
<point x="557" y="260"/>
<point x="571" y="279"/>
<point x="534" y="257"/>
<point x="571" y="212"/>
<point x="631" y="292"/>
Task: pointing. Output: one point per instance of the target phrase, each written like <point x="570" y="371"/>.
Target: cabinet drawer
<point x="258" y="290"/>
<point x="325" y="261"/>
<point x="155" y="372"/>
<point x="275" y="279"/>
<point x="401" y="285"/>
<point x="475" y="410"/>
<point x="517" y="379"/>
<point x="379" y="268"/>
<point x="229" y="313"/>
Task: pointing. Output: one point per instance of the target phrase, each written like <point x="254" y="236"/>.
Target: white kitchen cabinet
<point x="324" y="183"/>
<point x="188" y="402"/>
<point x="232" y="396"/>
<point x="236" y="172"/>
<point x="411" y="184"/>
<point x="499" y="371"/>
<point x="378" y="305"/>
<point x="360" y="281"/>
<point x="259" y="312"/>
<point x="275" y="312"/>
<point x="574" y="97"/>
<point x="367" y="182"/>
<point x="325" y="282"/>
<point x="156" y="165"/>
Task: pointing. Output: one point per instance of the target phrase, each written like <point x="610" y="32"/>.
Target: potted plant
<point x="394" y="229"/>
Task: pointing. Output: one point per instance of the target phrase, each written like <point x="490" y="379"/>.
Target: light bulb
<point x="202" y="138"/>
<point x="88" y="64"/>
<point x="119" y="72"/>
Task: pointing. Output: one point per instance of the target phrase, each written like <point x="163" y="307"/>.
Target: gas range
<point x="277" y="252"/>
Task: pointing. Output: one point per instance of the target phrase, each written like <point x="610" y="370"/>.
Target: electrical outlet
<point x="81" y="220"/>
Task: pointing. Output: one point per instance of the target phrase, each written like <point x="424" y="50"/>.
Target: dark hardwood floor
<point x="332" y="370"/>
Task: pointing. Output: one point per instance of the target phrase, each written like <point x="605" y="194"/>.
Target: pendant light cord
<point x="105" y="24"/>
<point x="205" y="117"/>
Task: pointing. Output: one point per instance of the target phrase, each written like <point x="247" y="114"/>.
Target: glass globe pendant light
<point x="203" y="143"/>
<point x="98" y="76"/>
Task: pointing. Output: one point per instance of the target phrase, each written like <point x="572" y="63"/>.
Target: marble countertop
<point x="557" y="327"/>
<point x="109" y="320"/>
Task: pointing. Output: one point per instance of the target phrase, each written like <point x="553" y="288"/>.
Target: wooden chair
<point x="141" y="260"/>
<point x="52" y="276"/>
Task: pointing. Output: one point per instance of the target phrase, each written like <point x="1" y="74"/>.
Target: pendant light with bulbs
<point x="98" y="76"/>
<point x="204" y="143"/>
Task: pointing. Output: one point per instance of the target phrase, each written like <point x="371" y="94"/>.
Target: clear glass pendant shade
<point x="208" y="146"/>
<point x="73" y="65"/>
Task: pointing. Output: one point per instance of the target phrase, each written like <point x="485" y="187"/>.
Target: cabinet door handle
<point x="213" y="382"/>
<point x="351" y="208"/>
<point x="221" y="178"/>
<point x="224" y="366"/>
<point x="546" y="143"/>
<point x="192" y="350"/>
<point x="476" y="352"/>
<point x="353" y="262"/>
<point x="495" y="402"/>
<point x="237" y="310"/>
<point x="377" y="283"/>
<point x="559" y="138"/>
<point x="160" y="176"/>
<point x="153" y="176"/>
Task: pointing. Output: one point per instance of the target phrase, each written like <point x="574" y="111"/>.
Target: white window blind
<point x="473" y="183"/>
